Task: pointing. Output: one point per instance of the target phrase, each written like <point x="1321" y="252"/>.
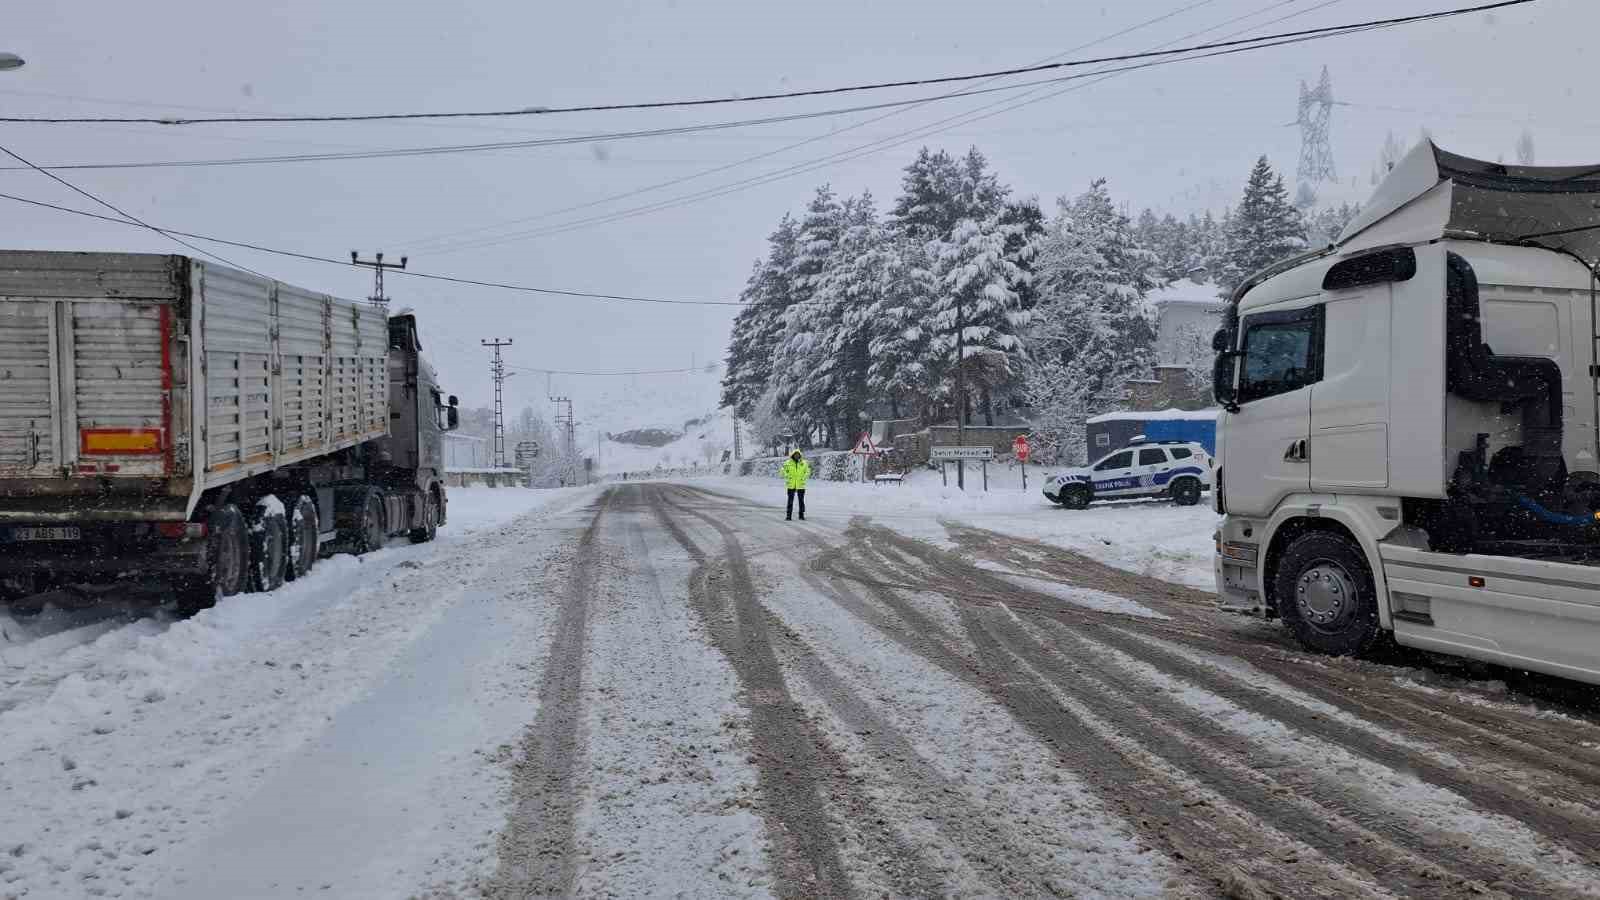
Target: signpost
<point x="1019" y="447"/>
<point x="864" y="448"/>
<point x="526" y="453"/>
<point x="961" y="455"/>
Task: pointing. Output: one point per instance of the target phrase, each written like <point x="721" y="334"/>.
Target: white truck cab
<point x="1408" y="442"/>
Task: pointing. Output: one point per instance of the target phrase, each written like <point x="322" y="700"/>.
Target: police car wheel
<point x="1075" y="496"/>
<point x="1186" y="492"/>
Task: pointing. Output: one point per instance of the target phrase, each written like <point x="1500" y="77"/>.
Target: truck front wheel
<point x="371" y="529"/>
<point x="227" y="562"/>
<point x="430" y="519"/>
<point x="1325" y="594"/>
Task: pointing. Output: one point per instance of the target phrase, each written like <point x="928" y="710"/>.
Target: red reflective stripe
<point x="166" y="388"/>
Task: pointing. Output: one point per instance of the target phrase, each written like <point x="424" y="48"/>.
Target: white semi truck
<point x="1408" y="447"/>
<point x="170" y="419"/>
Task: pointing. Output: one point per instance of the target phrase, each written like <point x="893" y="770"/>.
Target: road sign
<point x="526" y="452"/>
<point x="950" y="454"/>
<point x="1019" y="447"/>
<point x="864" y="445"/>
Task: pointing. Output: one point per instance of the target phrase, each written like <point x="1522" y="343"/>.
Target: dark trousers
<point x="801" y="493"/>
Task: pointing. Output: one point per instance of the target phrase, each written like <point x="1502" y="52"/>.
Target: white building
<point x="1183" y="306"/>
<point x="464" y="451"/>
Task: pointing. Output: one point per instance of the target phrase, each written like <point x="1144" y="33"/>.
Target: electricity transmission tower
<point x="377" y="265"/>
<point x="498" y="370"/>
<point x="565" y="429"/>
<point x="1316" y="151"/>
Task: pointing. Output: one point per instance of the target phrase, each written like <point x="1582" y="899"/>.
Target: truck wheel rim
<point x="1326" y="595"/>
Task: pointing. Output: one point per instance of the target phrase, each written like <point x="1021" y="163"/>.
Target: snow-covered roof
<point x="1159" y="415"/>
<point x="1184" y="292"/>
<point x="1431" y="192"/>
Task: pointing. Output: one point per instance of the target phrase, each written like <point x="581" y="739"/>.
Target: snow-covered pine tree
<point x="976" y="297"/>
<point x="809" y="320"/>
<point x="858" y="285"/>
<point x="1026" y="222"/>
<point x="1170" y="241"/>
<point x="928" y="205"/>
<point x="1266" y="228"/>
<point x="1327" y="223"/>
<point x="1091" y="334"/>
<point x="902" y="369"/>
<point x="758" y="326"/>
<point x="937" y="191"/>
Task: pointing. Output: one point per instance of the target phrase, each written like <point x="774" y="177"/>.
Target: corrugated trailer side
<point x="289" y="375"/>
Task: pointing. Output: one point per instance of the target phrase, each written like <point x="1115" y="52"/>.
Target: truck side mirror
<point x="452" y="417"/>
<point x="1224" y="379"/>
<point x="453" y="400"/>
<point x="1221" y="340"/>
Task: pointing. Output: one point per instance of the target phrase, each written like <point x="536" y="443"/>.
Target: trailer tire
<point x="1324" y="592"/>
<point x="430" y="520"/>
<point x="269" y="541"/>
<point x="1076" y="496"/>
<point x="371" y="531"/>
<point x="304" y="538"/>
<point x="227" y="562"/>
<point x="1186" y="491"/>
<point x="16" y="593"/>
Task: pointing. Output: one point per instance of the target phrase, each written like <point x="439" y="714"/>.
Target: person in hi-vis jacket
<point x="795" y="472"/>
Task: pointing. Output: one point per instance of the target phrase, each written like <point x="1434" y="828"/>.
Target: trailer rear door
<point x="85" y="387"/>
<point x="29" y="436"/>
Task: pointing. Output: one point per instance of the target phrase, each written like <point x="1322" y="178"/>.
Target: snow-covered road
<point x="665" y="689"/>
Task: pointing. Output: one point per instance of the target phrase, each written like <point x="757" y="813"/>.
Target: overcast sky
<point x="1178" y="137"/>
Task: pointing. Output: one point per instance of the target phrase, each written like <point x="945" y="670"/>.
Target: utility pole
<point x="961" y="391"/>
<point x="738" y="440"/>
<point x="377" y="265"/>
<point x="498" y="370"/>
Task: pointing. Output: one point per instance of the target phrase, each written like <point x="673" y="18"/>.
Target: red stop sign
<point x="1019" y="447"/>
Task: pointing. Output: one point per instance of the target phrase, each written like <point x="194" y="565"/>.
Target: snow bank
<point x="126" y="737"/>
<point x="1150" y="537"/>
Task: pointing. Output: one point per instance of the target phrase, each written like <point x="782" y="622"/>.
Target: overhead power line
<point x="447" y="237"/>
<point x="872" y="147"/>
<point x="311" y="257"/>
<point x="127" y="217"/>
<point x="445" y="149"/>
<point x="785" y="95"/>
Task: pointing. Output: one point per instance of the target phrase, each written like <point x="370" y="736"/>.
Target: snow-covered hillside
<point x="614" y="406"/>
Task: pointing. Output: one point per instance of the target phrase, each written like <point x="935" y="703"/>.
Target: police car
<point x="1176" y="469"/>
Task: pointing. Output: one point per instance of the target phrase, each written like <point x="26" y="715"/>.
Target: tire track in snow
<point x="982" y="842"/>
<point x="1226" y="850"/>
<point x="790" y="752"/>
<point x="1563" y="824"/>
<point x="974" y="833"/>
<point x="1560" y="753"/>
<point x="1338" y="826"/>
<point x="537" y="848"/>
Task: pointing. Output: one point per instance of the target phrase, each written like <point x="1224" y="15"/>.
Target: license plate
<point x="61" y="533"/>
